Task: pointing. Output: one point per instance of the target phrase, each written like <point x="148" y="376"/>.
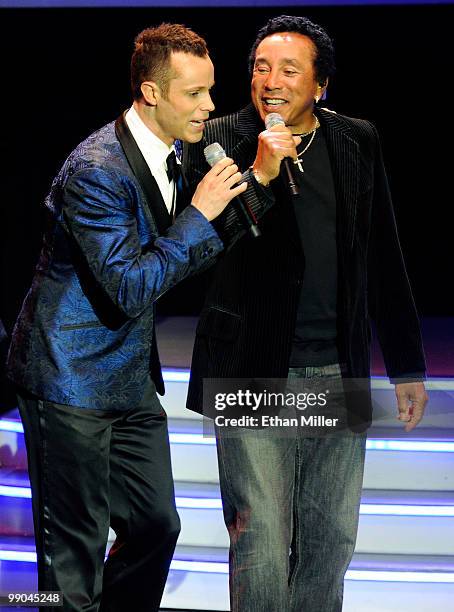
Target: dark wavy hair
<point x="324" y="60"/>
<point x="152" y="50"/>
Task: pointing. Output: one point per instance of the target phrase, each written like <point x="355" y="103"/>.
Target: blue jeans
<point x="291" y="507"/>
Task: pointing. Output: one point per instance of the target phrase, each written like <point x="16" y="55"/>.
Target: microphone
<point x="276" y="119"/>
<point x="214" y="153"/>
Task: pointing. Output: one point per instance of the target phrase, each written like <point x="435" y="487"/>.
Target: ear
<point x="150" y="92"/>
<point x="321" y="89"/>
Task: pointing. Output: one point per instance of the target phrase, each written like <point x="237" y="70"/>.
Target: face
<point x="284" y="79"/>
<point x="181" y="113"/>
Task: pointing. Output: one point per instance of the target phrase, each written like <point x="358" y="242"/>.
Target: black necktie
<point x="173" y="174"/>
<point x="173" y="168"/>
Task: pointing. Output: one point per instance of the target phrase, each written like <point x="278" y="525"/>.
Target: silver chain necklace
<point x="298" y="161"/>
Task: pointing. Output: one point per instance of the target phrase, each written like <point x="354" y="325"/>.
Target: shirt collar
<point x="152" y="148"/>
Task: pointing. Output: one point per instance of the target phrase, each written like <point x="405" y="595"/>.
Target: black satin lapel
<point x="344" y="155"/>
<point x="142" y="173"/>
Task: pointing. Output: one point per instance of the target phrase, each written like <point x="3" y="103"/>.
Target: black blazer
<point x="247" y="324"/>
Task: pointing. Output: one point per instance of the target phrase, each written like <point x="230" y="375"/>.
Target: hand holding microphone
<point x="276" y="145"/>
<point x="218" y="187"/>
<point x="215" y="154"/>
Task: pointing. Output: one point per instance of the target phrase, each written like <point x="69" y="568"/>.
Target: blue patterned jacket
<point x="85" y="335"/>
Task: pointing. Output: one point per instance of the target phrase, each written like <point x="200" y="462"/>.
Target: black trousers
<point x="90" y="469"/>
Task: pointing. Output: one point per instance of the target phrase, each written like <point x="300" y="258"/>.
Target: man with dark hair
<point x="295" y="305"/>
<point x="83" y="354"/>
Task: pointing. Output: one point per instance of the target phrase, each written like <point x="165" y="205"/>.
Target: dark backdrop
<point x="65" y="73"/>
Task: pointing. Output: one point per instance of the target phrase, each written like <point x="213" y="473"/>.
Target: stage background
<point x="65" y="72"/>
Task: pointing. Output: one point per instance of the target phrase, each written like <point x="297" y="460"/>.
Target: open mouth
<point x="275" y="102"/>
<point x="197" y="123"/>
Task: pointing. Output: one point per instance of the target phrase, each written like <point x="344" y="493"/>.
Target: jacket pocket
<point x="85" y="325"/>
<point x="219" y="323"/>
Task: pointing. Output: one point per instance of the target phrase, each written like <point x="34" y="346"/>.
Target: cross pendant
<point x="298" y="162"/>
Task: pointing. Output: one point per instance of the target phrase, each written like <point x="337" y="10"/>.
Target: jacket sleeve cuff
<point x="408" y="378"/>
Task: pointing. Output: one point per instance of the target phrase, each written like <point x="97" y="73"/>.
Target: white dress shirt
<point x="155" y="153"/>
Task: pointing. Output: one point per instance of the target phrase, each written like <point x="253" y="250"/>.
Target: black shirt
<point x="314" y="342"/>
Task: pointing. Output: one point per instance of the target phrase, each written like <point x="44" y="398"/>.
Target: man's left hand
<point x="411" y="402"/>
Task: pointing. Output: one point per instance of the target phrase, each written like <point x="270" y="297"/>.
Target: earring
<point x="317" y="98"/>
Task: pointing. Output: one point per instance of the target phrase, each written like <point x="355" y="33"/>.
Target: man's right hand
<point x="217" y="188"/>
<point x="274" y="145"/>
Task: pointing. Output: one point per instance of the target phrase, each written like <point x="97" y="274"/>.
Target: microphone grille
<point x="214" y="153"/>
<point x="273" y="119"/>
